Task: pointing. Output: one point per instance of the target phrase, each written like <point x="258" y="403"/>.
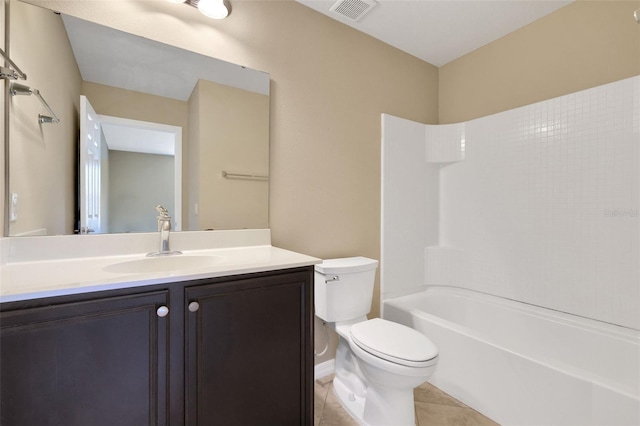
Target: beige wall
<point x="137" y="182"/>
<point x="108" y="100"/>
<point x="48" y="150"/>
<point x="192" y="170"/>
<point x="585" y="44"/>
<point x="232" y="135"/>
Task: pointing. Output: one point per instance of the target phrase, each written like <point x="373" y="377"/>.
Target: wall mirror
<point x="176" y="128"/>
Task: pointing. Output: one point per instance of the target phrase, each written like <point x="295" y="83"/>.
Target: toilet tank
<point x="344" y="288"/>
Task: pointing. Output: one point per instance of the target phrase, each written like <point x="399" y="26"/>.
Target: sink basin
<point x="164" y="264"/>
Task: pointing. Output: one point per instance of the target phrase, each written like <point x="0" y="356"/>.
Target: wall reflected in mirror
<point x="221" y="111"/>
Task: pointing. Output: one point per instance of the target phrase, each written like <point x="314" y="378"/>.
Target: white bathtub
<point x="524" y="365"/>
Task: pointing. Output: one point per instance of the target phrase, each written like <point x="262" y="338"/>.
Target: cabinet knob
<point x="162" y="311"/>
<point x="194" y="306"/>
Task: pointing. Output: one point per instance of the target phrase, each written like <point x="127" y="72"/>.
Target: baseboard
<point x="324" y="369"/>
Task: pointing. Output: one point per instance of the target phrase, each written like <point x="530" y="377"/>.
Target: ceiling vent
<point x="352" y="9"/>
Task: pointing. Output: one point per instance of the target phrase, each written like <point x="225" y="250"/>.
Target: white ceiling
<point x="115" y="58"/>
<point x="439" y="31"/>
<point x="134" y="139"/>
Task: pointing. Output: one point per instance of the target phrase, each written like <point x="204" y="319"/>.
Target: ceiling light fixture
<point x="215" y="9"/>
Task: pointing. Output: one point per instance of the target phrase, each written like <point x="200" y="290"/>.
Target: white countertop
<point x="39" y="278"/>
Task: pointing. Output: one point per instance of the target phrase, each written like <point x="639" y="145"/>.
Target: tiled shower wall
<point x="539" y="204"/>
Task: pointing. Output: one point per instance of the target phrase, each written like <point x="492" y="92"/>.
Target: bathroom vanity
<point x="229" y="343"/>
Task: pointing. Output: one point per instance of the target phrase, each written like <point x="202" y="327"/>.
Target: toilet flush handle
<point x="334" y="278"/>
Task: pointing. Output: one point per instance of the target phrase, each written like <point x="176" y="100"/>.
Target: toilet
<point x="378" y="362"/>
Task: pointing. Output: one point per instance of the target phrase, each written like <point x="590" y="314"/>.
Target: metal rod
<point x="243" y="176"/>
<point x="17" y="72"/>
<point x="42" y="119"/>
<point x="21" y="89"/>
<point x="46" y="105"/>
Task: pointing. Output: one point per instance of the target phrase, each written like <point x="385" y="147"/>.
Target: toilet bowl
<point x="378" y="362"/>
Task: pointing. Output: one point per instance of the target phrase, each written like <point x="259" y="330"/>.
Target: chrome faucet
<point x="164" y="227"/>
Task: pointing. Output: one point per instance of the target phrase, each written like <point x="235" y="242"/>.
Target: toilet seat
<point x="394" y="342"/>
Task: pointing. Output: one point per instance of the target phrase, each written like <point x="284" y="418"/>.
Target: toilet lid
<point x="393" y="342"/>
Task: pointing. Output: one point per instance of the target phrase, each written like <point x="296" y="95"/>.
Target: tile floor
<point x="433" y="408"/>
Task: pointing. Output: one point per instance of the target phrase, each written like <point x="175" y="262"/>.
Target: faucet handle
<point x="164" y="213"/>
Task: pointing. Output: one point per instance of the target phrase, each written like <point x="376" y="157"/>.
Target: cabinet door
<point x="97" y="362"/>
<point x="249" y="354"/>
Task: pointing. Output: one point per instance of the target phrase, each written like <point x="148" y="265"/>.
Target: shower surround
<point x="538" y="204"/>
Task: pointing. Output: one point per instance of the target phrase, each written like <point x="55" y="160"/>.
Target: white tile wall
<point x="410" y="205"/>
<point x="545" y="204"/>
<point x="445" y="143"/>
<point x="446" y="266"/>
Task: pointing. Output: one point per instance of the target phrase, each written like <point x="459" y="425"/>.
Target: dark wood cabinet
<point x="231" y="351"/>
<point x="95" y="362"/>
<point x="247" y="350"/>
